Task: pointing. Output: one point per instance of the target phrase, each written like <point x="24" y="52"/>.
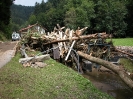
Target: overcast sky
<point x="27" y="2"/>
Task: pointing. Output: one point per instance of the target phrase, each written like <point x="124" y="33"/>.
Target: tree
<point x="79" y="13"/>
<point x="5" y="15"/>
<point x="70" y="18"/>
<point x="32" y="19"/>
<point x="19" y="15"/>
<point x="129" y="18"/>
<point x="5" y="11"/>
<point x="110" y="17"/>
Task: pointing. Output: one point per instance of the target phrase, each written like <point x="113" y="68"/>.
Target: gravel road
<point x="7" y="51"/>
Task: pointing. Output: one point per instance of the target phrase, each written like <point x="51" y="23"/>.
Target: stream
<point x="110" y="83"/>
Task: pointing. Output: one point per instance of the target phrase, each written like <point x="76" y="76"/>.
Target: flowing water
<point x="110" y="83"/>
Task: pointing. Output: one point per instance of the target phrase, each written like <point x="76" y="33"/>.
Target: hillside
<point x="19" y="15"/>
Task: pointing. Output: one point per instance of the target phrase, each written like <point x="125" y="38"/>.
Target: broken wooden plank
<point x="23" y="53"/>
<point x="34" y="59"/>
<point x="70" y="50"/>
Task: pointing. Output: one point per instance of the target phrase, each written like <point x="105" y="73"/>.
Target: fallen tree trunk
<point x="110" y="66"/>
<point x="92" y="36"/>
<point x="34" y="59"/>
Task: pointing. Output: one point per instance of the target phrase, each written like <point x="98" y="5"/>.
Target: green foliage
<point x="6" y="29"/>
<point x="2" y="37"/>
<point x="128" y="64"/>
<point x="98" y="15"/>
<point x="111" y="16"/>
<point x="70" y="18"/>
<point x="123" y="41"/>
<point x="79" y="13"/>
<point x="32" y="19"/>
<point x="5" y="17"/>
<point x="19" y="16"/>
<point x="5" y="11"/>
<point x="129" y="18"/>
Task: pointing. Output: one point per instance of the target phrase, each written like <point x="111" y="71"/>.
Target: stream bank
<point x="110" y="83"/>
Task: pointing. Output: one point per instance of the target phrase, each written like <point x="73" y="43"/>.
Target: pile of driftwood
<point x="63" y="43"/>
<point x="35" y="61"/>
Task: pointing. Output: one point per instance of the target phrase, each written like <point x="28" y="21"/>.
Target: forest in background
<point x="111" y="16"/>
<point x="5" y="16"/>
<point x="19" y="16"/>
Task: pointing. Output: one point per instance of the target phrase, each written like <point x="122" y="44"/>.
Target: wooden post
<point x="70" y="50"/>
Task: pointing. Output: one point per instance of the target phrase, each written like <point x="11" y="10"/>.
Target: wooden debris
<point x="61" y="42"/>
<point x="36" y="61"/>
<point x="124" y="52"/>
<point x="40" y="58"/>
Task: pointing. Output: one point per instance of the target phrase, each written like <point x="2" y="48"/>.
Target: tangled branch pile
<point x="64" y="39"/>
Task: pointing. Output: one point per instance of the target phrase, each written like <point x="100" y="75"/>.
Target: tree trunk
<point x="92" y="36"/>
<point x="110" y="66"/>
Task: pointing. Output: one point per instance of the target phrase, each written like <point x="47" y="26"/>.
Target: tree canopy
<point x="20" y="15"/>
<point x="111" y="16"/>
<point x="5" y="15"/>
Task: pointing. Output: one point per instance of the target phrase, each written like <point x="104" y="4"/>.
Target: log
<point x="110" y="66"/>
<point x="34" y="59"/>
<point x="92" y="36"/>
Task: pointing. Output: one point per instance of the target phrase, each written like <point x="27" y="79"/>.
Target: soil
<point x="7" y="51"/>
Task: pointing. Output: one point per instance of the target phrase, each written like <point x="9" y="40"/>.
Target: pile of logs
<point x="36" y="61"/>
<point x="64" y="39"/>
<point x="64" y="42"/>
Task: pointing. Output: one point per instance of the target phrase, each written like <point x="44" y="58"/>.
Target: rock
<point x="40" y="64"/>
<point x="128" y="49"/>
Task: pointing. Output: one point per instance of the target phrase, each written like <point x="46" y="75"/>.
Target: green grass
<point x="128" y="64"/>
<point x="55" y="81"/>
<point x="123" y="42"/>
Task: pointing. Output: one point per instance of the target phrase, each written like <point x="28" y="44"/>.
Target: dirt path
<point x="7" y="51"/>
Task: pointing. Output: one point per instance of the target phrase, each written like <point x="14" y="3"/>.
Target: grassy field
<point x="55" y="81"/>
<point x="123" y="42"/>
